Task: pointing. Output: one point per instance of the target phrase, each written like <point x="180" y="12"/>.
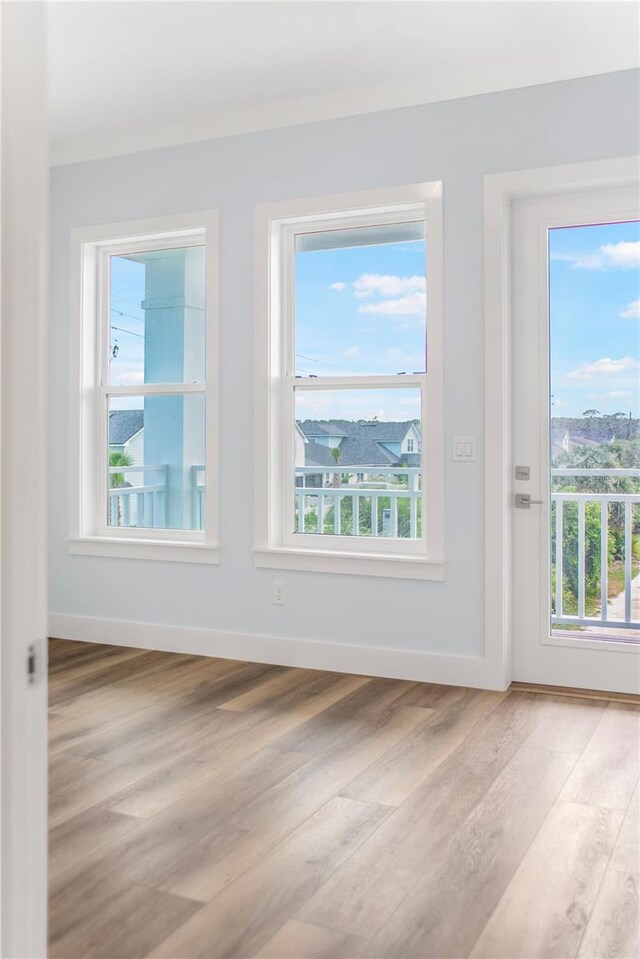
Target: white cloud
<point x="632" y="312"/>
<point x="603" y="367"/>
<point x="387" y="285"/>
<point x="339" y="286"/>
<point x="612" y="395"/>
<point x="129" y="376"/>
<point x="352" y="351"/>
<point x="358" y="404"/>
<point x="414" y="304"/>
<point x="397" y="358"/>
<point x="625" y="255"/>
<point x="581" y="261"/>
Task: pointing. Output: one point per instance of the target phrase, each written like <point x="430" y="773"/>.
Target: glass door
<point x="594" y="430"/>
<point x="576" y="365"/>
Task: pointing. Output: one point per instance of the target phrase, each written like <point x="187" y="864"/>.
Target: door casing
<point x="539" y="656"/>
<point x="500" y="191"/>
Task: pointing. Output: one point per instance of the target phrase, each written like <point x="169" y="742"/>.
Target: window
<point x="143" y="391"/>
<point x="347" y="398"/>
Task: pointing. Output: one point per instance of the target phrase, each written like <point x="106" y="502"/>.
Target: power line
<point x="121" y="329"/>
<point x="312" y="359"/>
<point x="124" y="313"/>
<point x="119" y="296"/>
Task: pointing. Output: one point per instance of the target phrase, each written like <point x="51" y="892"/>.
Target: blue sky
<point x="594" y="302"/>
<point x="363" y="310"/>
<point x="127" y="328"/>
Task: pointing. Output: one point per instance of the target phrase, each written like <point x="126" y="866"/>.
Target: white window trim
<point x="275" y="224"/>
<point x="87" y="485"/>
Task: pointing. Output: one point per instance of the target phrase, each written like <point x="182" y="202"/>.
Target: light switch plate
<point x="463" y="449"/>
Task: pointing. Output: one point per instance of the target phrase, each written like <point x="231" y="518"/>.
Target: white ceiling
<point x="138" y="75"/>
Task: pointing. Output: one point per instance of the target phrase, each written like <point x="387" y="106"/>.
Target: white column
<point x="23" y="471"/>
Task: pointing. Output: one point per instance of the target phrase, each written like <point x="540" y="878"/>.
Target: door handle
<point x="524" y="501"/>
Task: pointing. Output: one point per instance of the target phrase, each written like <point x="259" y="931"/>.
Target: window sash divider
<point x="391" y="381"/>
<point x="154" y="389"/>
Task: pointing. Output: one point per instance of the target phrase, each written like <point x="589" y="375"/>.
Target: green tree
<point x="336" y="453"/>
<point x="116" y="458"/>
<point x="117" y="480"/>
<point x="619" y="454"/>
<point x="570" y="567"/>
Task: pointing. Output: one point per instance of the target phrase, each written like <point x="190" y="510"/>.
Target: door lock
<point x="524" y="501"/>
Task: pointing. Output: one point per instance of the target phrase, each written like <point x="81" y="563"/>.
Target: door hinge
<point x="31" y="665"/>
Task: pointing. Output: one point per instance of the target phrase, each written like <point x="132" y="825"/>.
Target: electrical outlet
<point x="279" y="594"/>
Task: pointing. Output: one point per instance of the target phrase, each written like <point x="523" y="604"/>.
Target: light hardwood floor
<point x="209" y="808"/>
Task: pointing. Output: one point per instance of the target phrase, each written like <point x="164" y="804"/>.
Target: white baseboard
<point x="280" y="651"/>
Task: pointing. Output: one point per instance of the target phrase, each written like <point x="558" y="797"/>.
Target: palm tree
<point x="117" y="480"/>
<point x="336" y="453"/>
<point x="116" y="458"/>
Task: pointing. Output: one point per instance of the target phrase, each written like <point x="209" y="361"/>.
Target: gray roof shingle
<point x="123" y="424"/>
<point x="315" y="454"/>
<point x="362" y="443"/>
<point x="317" y="428"/>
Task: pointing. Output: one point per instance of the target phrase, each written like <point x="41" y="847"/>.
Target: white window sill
<point x="358" y="564"/>
<point x="168" y="550"/>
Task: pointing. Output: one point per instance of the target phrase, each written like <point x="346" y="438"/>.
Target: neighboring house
<point x="564" y="442"/>
<point x="300" y="441"/>
<point x="363" y="443"/>
<point x="126" y="434"/>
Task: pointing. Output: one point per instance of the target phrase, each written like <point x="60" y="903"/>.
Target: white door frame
<point x="500" y="190"/>
<point x="23" y="772"/>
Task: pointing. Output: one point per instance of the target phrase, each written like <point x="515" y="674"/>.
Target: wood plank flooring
<point x="210" y="808"/>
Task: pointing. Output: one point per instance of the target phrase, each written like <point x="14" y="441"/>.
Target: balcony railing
<point x="197" y="497"/>
<point x="141" y="504"/>
<point x="374" y="501"/>
<point x="595" y="552"/>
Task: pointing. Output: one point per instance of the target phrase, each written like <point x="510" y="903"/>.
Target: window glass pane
<point x="156" y="462"/>
<point x="355" y="471"/>
<point x="594" y="455"/>
<point x="361" y="301"/>
<point x="157" y="328"/>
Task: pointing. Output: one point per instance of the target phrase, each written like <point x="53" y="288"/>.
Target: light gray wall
<point x="457" y="141"/>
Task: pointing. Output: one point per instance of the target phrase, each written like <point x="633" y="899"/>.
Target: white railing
<point x="615" y="612"/>
<point x="139" y="505"/>
<point x="197" y="497"/>
<point x="144" y="504"/>
<point x="358" y="508"/>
